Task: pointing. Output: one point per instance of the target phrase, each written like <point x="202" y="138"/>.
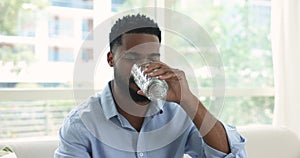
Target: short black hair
<point x="132" y="24"/>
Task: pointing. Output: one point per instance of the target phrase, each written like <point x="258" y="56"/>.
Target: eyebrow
<point x="155" y="54"/>
<point x="137" y="54"/>
<point x="132" y="53"/>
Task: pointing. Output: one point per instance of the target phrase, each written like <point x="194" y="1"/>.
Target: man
<point x="122" y="122"/>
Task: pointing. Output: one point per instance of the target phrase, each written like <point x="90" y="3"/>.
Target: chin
<point x="136" y="97"/>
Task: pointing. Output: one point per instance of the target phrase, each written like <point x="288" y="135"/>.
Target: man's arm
<point x="71" y="141"/>
<point x="211" y="129"/>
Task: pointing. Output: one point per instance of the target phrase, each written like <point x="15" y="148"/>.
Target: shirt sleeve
<point x="72" y="141"/>
<point x="236" y="143"/>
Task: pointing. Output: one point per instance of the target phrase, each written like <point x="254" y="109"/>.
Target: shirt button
<point x="141" y="154"/>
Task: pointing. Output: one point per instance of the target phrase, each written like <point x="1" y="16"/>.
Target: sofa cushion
<point x="33" y="148"/>
<point x="270" y="141"/>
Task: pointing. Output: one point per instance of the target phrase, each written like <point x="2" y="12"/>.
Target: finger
<point x="174" y="74"/>
<point x="158" y="72"/>
<point x="167" y="76"/>
<point x="154" y="65"/>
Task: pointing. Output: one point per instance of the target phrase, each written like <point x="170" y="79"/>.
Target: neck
<point x="131" y="110"/>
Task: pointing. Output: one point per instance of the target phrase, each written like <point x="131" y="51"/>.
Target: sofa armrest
<point x="270" y="141"/>
<point x="33" y="148"/>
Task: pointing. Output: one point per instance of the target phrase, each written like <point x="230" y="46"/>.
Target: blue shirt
<point x="96" y="129"/>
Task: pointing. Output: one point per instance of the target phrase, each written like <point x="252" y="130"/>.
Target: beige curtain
<point x="285" y="34"/>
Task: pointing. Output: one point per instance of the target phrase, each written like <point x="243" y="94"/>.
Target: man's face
<point x="135" y="48"/>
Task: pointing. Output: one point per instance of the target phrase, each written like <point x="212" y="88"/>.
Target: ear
<point x="110" y="59"/>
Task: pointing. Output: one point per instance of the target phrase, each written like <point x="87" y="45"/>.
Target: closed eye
<point x="134" y="56"/>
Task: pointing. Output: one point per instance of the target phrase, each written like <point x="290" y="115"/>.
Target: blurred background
<point x="40" y="42"/>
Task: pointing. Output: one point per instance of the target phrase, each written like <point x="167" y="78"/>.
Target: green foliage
<point x="241" y="33"/>
<point x="12" y="13"/>
<point x="10" y="10"/>
<point x="248" y="110"/>
<point x="16" y="55"/>
<point x="245" y="48"/>
<point x="242" y="39"/>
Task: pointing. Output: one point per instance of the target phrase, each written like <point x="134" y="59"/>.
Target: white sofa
<point x="270" y="142"/>
<point x="32" y="148"/>
<point x="262" y="142"/>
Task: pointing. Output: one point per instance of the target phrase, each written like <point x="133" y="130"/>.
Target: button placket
<point x="141" y="148"/>
<point x="141" y="154"/>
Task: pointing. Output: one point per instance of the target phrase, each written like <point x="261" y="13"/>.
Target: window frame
<point x="38" y="41"/>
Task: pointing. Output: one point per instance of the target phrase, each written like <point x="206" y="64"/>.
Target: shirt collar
<point x="109" y="107"/>
<point x="107" y="103"/>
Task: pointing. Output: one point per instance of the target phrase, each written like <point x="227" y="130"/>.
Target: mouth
<point x="132" y="84"/>
<point x="133" y="88"/>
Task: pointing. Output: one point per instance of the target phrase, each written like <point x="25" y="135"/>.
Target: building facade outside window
<point x="41" y="53"/>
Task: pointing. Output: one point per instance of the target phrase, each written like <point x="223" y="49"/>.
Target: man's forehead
<point x="139" y="41"/>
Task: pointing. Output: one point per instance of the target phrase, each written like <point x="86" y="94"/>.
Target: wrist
<point x="188" y="99"/>
<point x="190" y="103"/>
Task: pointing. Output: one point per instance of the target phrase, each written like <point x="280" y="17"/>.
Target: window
<point x="37" y="59"/>
<point x="87" y="55"/>
<point x="115" y="4"/>
<point x="83" y="4"/>
<point x="60" y="54"/>
<point x="26" y="24"/>
<point x="87" y="27"/>
<point x="61" y="27"/>
<point x="241" y="32"/>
